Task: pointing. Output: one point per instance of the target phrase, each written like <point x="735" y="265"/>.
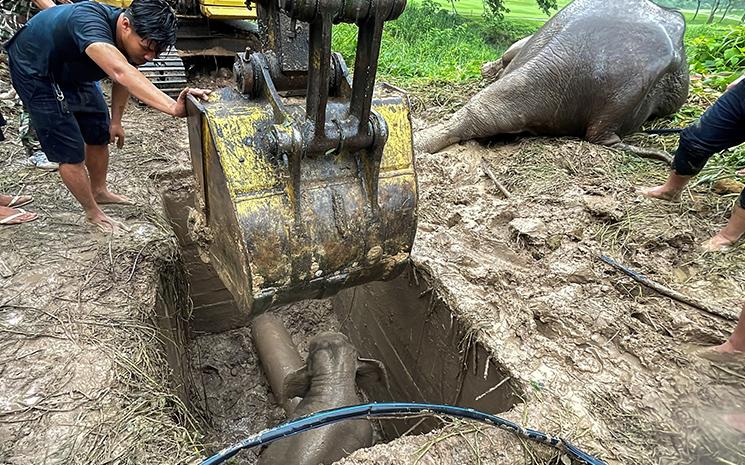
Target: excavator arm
<point x="305" y="175"/>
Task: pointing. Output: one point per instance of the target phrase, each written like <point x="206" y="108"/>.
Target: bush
<point x="502" y="33"/>
<point x="716" y="53"/>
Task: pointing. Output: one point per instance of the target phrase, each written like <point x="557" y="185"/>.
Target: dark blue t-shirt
<point x="52" y="44"/>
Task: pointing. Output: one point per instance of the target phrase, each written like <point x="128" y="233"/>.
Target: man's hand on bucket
<point x="179" y="108"/>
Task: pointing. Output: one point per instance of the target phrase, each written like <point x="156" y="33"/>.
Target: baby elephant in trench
<point x="328" y="380"/>
<point x="598" y="70"/>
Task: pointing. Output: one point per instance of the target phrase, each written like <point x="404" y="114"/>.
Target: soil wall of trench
<point x="507" y="308"/>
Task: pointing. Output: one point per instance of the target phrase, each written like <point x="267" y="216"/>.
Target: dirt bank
<point x="600" y="359"/>
<point x="84" y="373"/>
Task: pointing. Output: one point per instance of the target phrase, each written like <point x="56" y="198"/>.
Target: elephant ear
<point x="371" y="371"/>
<point x="297" y="383"/>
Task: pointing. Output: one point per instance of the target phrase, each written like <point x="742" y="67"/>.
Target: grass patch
<point x="519" y="10"/>
<point x="426" y="45"/>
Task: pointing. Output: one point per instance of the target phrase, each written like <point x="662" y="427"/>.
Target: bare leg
<point x="729" y="234"/>
<point x="75" y="177"/>
<point x="669" y="191"/>
<point x="736" y="342"/>
<point x="97" y="162"/>
<point x="735" y="345"/>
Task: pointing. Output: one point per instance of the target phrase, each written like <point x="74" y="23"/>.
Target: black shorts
<point x="719" y="128"/>
<point x="64" y="121"/>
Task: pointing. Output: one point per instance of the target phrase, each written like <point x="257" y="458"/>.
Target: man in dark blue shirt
<point x="55" y="60"/>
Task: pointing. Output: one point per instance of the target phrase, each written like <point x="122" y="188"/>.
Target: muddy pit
<point x="508" y="309"/>
<point x="428" y="354"/>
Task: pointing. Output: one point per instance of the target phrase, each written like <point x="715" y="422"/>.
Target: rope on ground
<point x="327" y="417"/>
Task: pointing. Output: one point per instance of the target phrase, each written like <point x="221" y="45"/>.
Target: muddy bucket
<point x="279" y="228"/>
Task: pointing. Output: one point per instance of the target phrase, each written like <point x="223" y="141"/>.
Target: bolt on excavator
<point x="305" y="173"/>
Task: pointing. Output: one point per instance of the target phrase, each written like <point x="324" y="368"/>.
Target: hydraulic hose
<point x="327" y="417"/>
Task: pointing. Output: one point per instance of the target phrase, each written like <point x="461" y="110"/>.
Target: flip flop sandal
<point x="14" y="218"/>
<point x="18" y="201"/>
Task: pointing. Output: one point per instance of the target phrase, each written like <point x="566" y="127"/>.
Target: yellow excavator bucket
<point x="274" y="241"/>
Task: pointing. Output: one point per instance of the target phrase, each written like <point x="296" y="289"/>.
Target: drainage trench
<point x="429" y="355"/>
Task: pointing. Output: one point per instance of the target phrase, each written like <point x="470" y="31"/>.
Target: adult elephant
<point x="597" y="70"/>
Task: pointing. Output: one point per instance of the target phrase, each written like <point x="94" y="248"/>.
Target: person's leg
<point x="75" y="177"/>
<point x="736" y="342"/>
<point x="719" y="128"/>
<point x="10" y="216"/>
<point x="97" y="162"/>
<point x="729" y="234"/>
<point x="61" y="138"/>
<point x="92" y="115"/>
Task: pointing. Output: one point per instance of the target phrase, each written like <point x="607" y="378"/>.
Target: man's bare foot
<point x="728" y="348"/>
<point x="735" y="420"/>
<point x="660" y="193"/>
<point x="718" y="243"/>
<point x="10" y="216"/>
<point x="108" y="197"/>
<point x="105" y="223"/>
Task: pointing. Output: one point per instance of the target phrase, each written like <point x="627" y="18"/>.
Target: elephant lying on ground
<point x="328" y="380"/>
<point x="597" y="70"/>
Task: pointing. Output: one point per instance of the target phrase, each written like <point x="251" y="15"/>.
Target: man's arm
<point x="113" y="63"/>
<point x="119" y="96"/>
<point x="119" y="99"/>
<point x="43" y="4"/>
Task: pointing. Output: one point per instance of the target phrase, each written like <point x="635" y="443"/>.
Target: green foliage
<point x="499" y="31"/>
<point x="718" y="54"/>
<point x="497" y="8"/>
<point x="426" y="44"/>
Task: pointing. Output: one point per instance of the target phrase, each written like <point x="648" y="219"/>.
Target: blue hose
<point x="327" y="417"/>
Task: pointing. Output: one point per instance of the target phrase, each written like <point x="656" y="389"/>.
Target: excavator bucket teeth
<point x="276" y="236"/>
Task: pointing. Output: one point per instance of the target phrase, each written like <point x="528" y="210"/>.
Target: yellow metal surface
<point x="213" y="9"/>
<point x="227" y="9"/>
<point x="116" y="3"/>
<point x="274" y="245"/>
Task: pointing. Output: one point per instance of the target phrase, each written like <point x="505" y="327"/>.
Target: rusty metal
<point x="304" y="197"/>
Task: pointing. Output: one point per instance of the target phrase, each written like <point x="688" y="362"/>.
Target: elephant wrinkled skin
<point x="328" y="380"/>
<point x="597" y="70"/>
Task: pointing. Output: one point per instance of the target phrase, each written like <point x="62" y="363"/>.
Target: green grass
<point x="521" y="10"/>
<point x="446" y="42"/>
<point x="426" y="45"/>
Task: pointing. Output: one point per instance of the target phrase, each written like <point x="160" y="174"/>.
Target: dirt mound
<point x="604" y="362"/>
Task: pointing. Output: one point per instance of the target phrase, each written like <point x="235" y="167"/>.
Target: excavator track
<point x="167" y="72"/>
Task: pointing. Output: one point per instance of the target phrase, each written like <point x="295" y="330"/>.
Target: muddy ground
<point x="600" y="360"/>
<point x="593" y="356"/>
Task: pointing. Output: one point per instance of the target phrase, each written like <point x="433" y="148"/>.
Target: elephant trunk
<point x="278" y="354"/>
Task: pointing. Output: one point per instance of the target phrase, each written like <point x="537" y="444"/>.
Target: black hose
<point x="327" y="417"/>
